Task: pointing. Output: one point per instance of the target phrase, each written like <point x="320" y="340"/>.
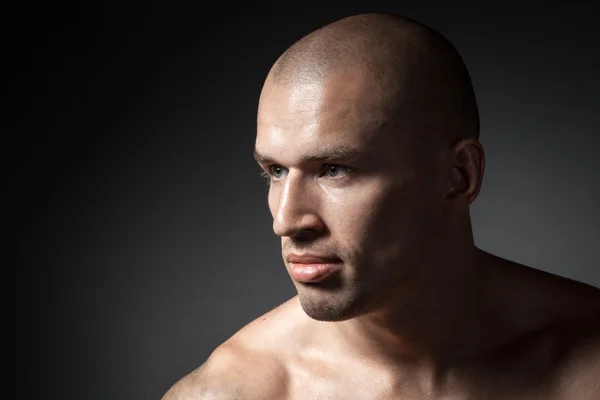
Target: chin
<point x="323" y="305"/>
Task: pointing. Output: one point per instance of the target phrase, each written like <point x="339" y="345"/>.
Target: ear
<point x="467" y="169"/>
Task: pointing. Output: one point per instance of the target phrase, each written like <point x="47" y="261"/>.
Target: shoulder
<point x="579" y="366"/>
<point x="537" y="298"/>
<point x="249" y="365"/>
<point x="232" y="372"/>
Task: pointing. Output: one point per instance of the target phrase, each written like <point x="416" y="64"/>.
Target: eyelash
<point x="348" y="170"/>
<point x="266" y="176"/>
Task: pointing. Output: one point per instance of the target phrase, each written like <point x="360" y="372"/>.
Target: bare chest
<point x="526" y="379"/>
<point x="365" y="389"/>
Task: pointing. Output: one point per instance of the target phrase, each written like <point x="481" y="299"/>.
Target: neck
<point x="430" y="323"/>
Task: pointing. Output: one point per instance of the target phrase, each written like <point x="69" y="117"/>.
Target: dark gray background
<point x="145" y="240"/>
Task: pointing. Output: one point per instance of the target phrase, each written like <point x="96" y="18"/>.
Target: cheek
<point x="358" y="215"/>
<point x="385" y="218"/>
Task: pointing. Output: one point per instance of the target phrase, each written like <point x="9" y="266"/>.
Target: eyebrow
<point x="324" y="154"/>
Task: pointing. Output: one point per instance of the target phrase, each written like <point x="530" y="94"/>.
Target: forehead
<point x="345" y="109"/>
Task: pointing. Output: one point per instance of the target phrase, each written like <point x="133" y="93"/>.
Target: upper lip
<point x="310" y="259"/>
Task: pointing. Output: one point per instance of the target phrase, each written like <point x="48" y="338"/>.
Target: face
<point x="351" y="198"/>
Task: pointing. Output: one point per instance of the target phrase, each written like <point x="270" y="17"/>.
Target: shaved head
<point x="367" y="132"/>
<point x="421" y="79"/>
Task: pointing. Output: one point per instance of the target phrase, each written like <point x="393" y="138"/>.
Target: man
<point x="368" y="134"/>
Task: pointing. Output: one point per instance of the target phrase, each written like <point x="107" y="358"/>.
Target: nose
<point x="296" y="210"/>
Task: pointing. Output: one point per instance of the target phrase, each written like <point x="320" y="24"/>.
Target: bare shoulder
<point x="249" y="365"/>
<point x="575" y="324"/>
<point x="539" y="297"/>
<point x="231" y="373"/>
<point x="579" y="360"/>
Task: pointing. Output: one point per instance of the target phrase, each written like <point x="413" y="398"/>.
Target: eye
<point x="277" y="171"/>
<point x="334" y="170"/>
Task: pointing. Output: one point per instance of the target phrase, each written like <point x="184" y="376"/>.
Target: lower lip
<point x="313" y="272"/>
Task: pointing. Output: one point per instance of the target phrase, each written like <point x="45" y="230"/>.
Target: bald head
<point x="356" y="127"/>
<point x="419" y="76"/>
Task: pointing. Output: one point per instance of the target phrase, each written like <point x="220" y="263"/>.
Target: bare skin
<point x="410" y="307"/>
<point x="286" y="355"/>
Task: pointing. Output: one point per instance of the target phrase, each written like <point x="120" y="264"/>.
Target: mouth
<point x="311" y="259"/>
<point x="312" y="268"/>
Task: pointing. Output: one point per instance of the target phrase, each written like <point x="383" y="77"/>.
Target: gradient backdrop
<point x="145" y="239"/>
